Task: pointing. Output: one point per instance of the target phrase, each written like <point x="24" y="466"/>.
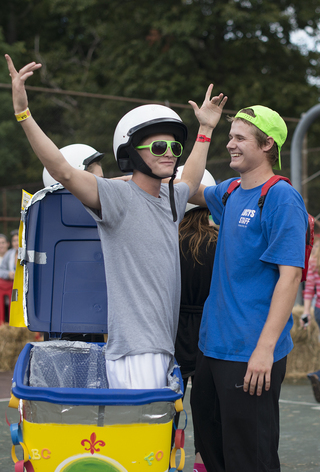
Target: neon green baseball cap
<point x="270" y="122"/>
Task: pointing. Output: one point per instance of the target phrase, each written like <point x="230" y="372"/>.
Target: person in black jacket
<point x="198" y="236"/>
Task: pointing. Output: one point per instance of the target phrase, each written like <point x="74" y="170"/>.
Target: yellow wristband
<point x="23" y="115"/>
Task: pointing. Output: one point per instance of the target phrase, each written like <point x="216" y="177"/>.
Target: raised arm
<point x="198" y="197"/>
<point x="208" y="116"/>
<point x="82" y="184"/>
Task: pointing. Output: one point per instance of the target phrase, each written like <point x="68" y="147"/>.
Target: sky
<point x="302" y="39"/>
<point x="306" y="42"/>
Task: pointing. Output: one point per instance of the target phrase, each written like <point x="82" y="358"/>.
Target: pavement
<point x="299" y="422"/>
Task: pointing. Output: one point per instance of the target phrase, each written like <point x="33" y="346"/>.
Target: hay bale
<point x="305" y="356"/>
<point x="12" y="341"/>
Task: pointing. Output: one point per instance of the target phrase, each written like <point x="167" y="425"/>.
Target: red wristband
<point x="202" y="138"/>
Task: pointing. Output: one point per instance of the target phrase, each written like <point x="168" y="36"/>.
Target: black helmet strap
<point x="139" y="164"/>
<point x="171" y="197"/>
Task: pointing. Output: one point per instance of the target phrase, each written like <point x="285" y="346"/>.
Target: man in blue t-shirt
<point x="245" y="329"/>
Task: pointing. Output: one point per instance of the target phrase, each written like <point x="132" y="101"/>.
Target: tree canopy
<point x="167" y="51"/>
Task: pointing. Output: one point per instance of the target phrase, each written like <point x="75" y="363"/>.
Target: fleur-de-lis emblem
<point x="92" y="443"/>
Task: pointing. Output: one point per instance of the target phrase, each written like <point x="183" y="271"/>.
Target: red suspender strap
<point x="273" y="180"/>
<point x="234" y="184"/>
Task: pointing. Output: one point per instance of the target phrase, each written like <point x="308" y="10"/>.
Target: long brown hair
<point x="195" y="225"/>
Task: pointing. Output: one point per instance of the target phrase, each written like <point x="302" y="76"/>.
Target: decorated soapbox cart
<point x="69" y="419"/>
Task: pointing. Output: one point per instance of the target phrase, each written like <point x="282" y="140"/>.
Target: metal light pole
<point x="296" y="157"/>
<point x="296" y="145"/>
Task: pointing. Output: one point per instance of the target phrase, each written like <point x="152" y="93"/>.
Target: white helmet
<point x="206" y="180"/>
<point x="78" y="155"/>
<point x="139" y="123"/>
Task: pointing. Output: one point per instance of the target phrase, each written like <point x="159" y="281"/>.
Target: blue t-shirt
<point x="251" y="245"/>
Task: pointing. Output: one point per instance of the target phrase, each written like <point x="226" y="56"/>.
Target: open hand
<point x="19" y="94"/>
<point x="258" y="373"/>
<point x="210" y="112"/>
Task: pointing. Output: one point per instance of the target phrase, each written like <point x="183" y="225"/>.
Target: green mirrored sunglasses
<point x="159" y="148"/>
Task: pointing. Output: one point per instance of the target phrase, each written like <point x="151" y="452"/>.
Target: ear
<point x="269" y="144"/>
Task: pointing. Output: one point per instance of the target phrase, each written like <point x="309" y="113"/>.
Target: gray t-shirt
<point x="141" y="255"/>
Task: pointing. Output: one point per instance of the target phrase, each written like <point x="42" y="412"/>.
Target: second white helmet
<point x="78" y="155"/>
<point x="206" y="180"/>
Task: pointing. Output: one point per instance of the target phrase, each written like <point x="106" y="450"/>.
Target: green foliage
<point x="166" y="51"/>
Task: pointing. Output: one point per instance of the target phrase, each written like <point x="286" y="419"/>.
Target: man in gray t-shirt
<point x="134" y="219"/>
<point x="140" y="247"/>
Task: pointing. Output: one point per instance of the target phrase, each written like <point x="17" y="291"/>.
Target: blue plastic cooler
<point x="64" y="261"/>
